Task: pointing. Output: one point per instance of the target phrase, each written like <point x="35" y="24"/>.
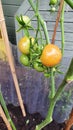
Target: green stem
<point x="38" y="30"/>
<point x="26" y="32"/>
<point x="43" y="24"/>
<point x="37" y="5"/>
<point x="62" y="28"/>
<point x="52" y="104"/>
<point x="52" y="84"/>
<point x="41" y="36"/>
<point x="69" y="2"/>
<point x="38" y="23"/>
<point x="49" y="116"/>
<point x="6" y="111"/>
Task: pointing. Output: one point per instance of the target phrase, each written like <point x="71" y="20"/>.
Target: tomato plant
<point x="51" y="55"/>
<point x="24" y="45"/>
<point x="41" y="56"/>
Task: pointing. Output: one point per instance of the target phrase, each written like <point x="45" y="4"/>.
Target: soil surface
<point x="29" y="122"/>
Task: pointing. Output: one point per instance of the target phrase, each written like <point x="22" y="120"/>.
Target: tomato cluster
<point x="30" y="53"/>
<point x="38" y="56"/>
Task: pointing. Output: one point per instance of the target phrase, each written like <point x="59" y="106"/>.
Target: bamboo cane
<point x="2" y="114"/>
<point x="57" y="21"/>
<point x="10" y="58"/>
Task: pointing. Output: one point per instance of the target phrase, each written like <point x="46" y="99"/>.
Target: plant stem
<point x="69" y="2"/>
<point x="43" y="24"/>
<point x="37" y="5"/>
<point x="49" y="116"/>
<point x="52" y="84"/>
<point x="26" y="32"/>
<point x="62" y="28"/>
<point x="52" y="104"/>
<point x="38" y="30"/>
<point x="6" y="111"/>
<point x="38" y="23"/>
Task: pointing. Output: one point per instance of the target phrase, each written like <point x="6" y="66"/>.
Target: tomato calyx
<point x="24" y="21"/>
<point x="24" y="24"/>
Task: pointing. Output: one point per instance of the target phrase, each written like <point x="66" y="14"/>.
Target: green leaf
<point x="47" y="75"/>
<point x="19" y="29"/>
<point x="69" y="76"/>
<point x="60" y="72"/>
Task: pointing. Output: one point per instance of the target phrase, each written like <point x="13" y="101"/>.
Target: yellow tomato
<point x="24" y="45"/>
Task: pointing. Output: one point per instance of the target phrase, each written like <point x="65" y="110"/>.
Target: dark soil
<point x="29" y="122"/>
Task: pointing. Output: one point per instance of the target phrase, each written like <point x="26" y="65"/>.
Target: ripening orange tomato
<point x="51" y="55"/>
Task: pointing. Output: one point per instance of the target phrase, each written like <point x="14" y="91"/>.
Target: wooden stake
<point x="69" y="122"/>
<point x="2" y="114"/>
<point x="0" y="35"/>
<point x="10" y="58"/>
<point x="57" y="21"/>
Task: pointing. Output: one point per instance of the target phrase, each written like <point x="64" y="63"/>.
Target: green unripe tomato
<point x="38" y="67"/>
<point x="53" y="2"/>
<point x="24" y="60"/>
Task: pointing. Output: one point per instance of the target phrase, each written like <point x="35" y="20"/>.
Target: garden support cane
<point x="69" y="122"/>
<point x="57" y="21"/>
<point x="2" y="114"/>
<point x="10" y="58"/>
